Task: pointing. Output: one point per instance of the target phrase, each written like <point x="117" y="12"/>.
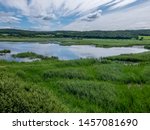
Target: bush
<point x="21" y="97"/>
<point x="5" y="51"/>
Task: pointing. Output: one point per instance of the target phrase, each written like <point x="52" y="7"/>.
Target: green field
<point x="116" y="84"/>
<point x="69" y="41"/>
<point x="145" y="37"/>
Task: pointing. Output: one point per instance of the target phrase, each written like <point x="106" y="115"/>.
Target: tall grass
<point x="142" y="57"/>
<point x="67" y="74"/>
<point x="86" y="85"/>
<point x="19" y="96"/>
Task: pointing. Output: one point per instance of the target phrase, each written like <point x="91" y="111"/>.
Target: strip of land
<point x="70" y="41"/>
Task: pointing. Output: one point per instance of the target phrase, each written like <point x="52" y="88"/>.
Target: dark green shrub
<point x="17" y="96"/>
<point x="5" y="51"/>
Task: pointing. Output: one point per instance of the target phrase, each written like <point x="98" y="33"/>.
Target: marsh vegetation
<point x="5" y="51"/>
<point x="85" y="85"/>
<point x="28" y="55"/>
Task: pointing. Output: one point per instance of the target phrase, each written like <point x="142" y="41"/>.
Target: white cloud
<point x="21" y="5"/>
<point x="60" y="8"/>
<point x="63" y="8"/>
<point x="88" y="13"/>
<point x="92" y="16"/>
<point x="132" y="18"/>
<point x="121" y="3"/>
<point x="8" y="18"/>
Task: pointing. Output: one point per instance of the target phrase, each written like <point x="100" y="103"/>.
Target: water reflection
<point x="64" y="52"/>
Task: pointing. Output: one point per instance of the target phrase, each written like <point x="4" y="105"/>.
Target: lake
<point x="64" y="52"/>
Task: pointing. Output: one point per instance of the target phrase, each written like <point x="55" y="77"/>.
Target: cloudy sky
<point x="75" y="14"/>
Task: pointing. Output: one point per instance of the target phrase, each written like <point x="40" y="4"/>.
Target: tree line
<point x="125" y="34"/>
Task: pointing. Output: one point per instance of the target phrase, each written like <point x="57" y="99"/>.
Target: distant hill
<point x="124" y="34"/>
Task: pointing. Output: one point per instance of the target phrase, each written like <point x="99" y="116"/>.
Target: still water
<point x="64" y="52"/>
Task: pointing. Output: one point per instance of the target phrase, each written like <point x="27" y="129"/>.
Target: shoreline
<point x="105" y="43"/>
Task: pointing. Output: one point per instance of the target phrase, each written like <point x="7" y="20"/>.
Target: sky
<point x="78" y="15"/>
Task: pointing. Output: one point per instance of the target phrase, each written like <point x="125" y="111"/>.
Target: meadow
<point x="114" y="84"/>
<point x="144" y="37"/>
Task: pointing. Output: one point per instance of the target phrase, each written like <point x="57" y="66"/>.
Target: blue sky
<point x="81" y="15"/>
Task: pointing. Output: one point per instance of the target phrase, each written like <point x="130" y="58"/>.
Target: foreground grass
<point x="69" y="41"/>
<point x="18" y="96"/>
<point x="114" y="84"/>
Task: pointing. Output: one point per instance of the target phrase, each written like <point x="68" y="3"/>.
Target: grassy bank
<point x="115" y="84"/>
<point x="69" y="41"/>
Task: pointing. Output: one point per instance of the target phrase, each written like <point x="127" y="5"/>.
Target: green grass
<point x="27" y="55"/>
<point x="19" y="96"/>
<point x="5" y="51"/>
<point x="143" y="57"/>
<point x="145" y="37"/>
<point x="115" y="84"/>
<point x="103" y="42"/>
<point x="69" y="41"/>
<point x="32" y="55"/>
